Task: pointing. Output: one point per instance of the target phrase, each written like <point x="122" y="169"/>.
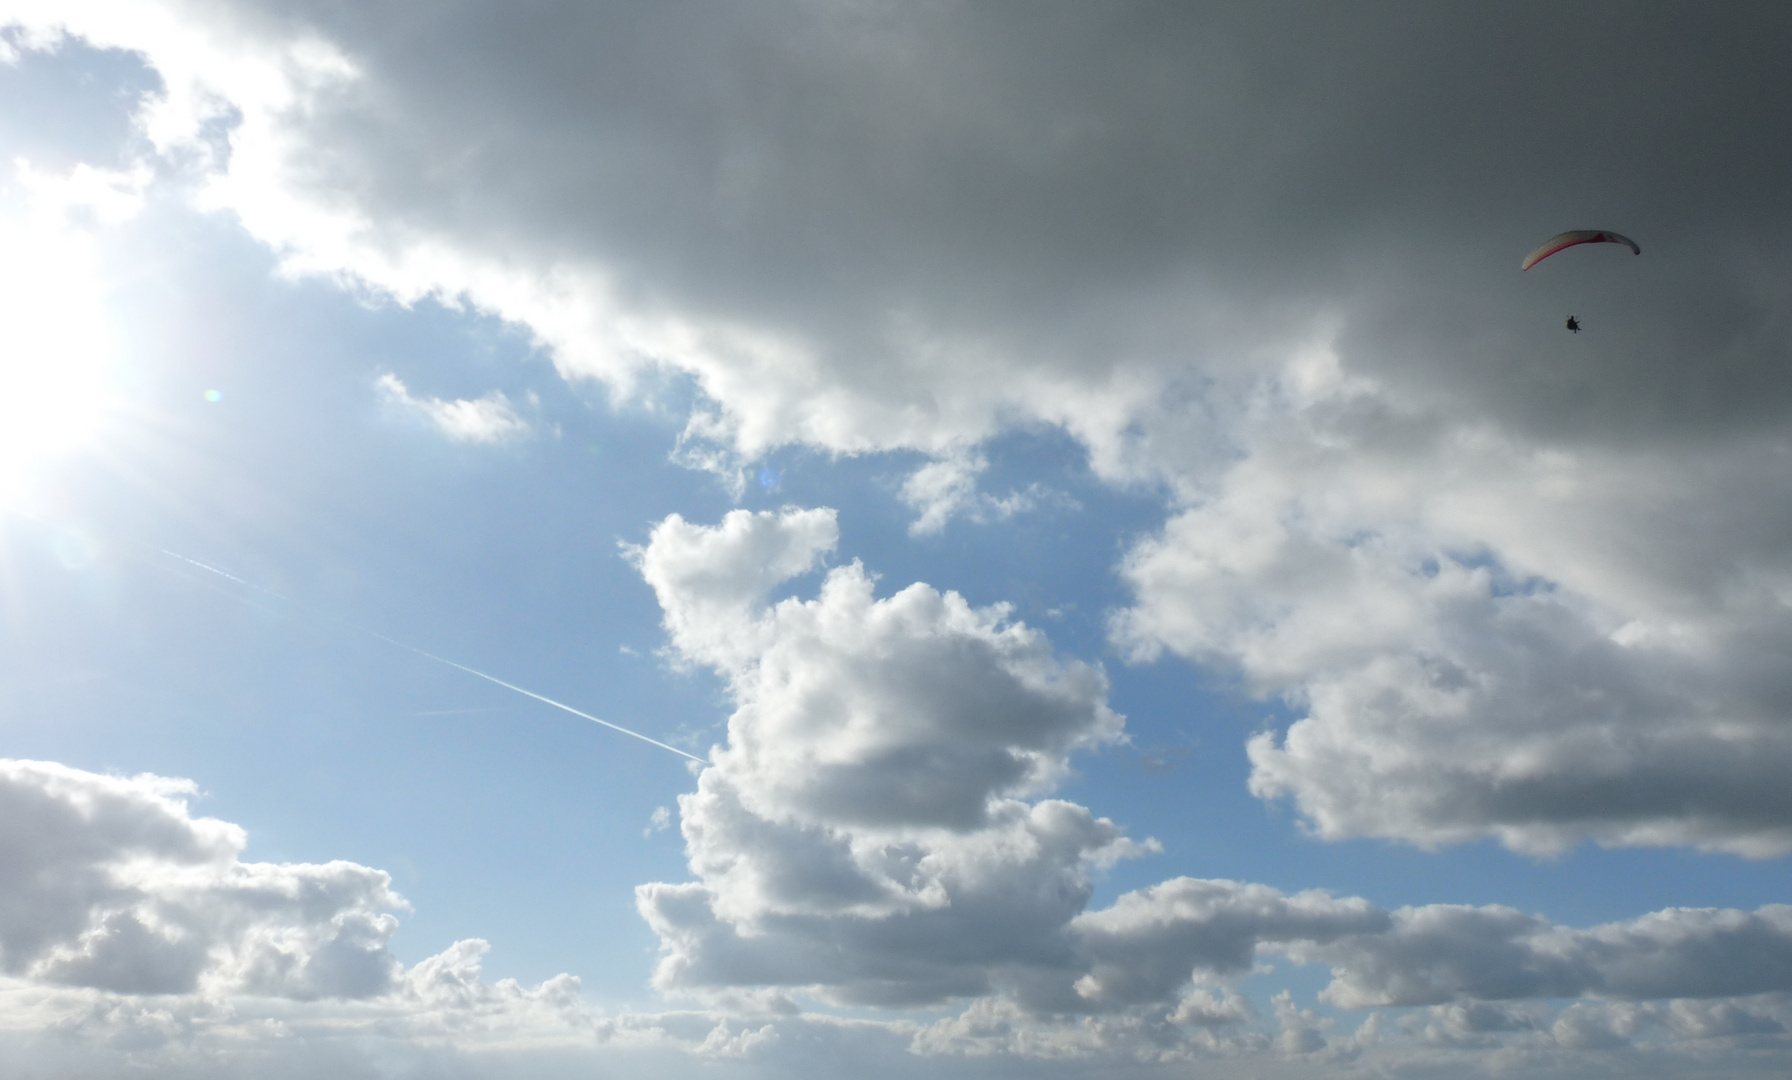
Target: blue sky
<point x="1151" y="584"/>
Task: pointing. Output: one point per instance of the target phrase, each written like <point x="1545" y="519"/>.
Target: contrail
<point x="222" y="574"/>
<point x="538" y="697"/>
<point x="544" y="699"/>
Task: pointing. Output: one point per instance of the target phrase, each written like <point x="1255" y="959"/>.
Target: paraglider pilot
<point x="1574" y="324"/>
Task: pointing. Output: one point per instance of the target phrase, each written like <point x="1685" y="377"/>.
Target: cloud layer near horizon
<point x="142" y="931"/>
<point x="143" y="934"/>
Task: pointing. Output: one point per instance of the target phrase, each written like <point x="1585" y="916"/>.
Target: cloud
<point x="134" y="936"/>
<point x="865" y="833"/>
<point x="135" y="941"/>
<point x="1488" y="636"/>
<point x="133" y="933"/>
<point x="1442" y="953"/>
<point x="842" y="254"/>
<point x="1147" y="945"/>
<point x="938" y="881"/>
<point x="113" y="885"/>
<point x="660" y="819"/>
<point x="1264" y="260"/>
<point x="913" y="709"/>
<point x="947" y="488"/>
<point x="488" y="419"/>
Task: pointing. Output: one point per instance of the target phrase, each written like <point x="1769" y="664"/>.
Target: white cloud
<point x="1300" y="1027"/>
<point x="134" y="938"/>
<point x="108" y="196"/>
<point x="135" y="941"/>
<point x="112" y="885"/>
<point x="711" y="581"/>
<point x="658" y="821"/>
<point x="938" y="882"/>
<point x="487" y="419"/>
<point x="947" y="488"/>
<point x="864" y="834"/>
<point x="913" y="709"/>
<point x="1488" y="636"/>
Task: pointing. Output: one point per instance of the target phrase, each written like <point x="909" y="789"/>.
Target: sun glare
<point x="55" y="345"/>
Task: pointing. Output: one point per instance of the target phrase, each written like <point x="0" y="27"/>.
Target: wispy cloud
<point x="489" y="419"/>
<point x="658" y="821"/>
<point x="947" y="488"/>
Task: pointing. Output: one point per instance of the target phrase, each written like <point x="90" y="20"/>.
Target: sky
<point x="1087" y="553"/>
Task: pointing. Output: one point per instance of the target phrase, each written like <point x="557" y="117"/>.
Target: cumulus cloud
<point x="912" y="709"/>
<point x="134" y="940"/>
<point x="487" y="419"/>
<point x="866" y="829"/>
<point x="1148" y="944"/>
<point x="939" y="881"/>
<point x="1486" y="635"/>
<point x="132" y="931"/>
<point x="1660" y="984"/>
<point x="112" y="884"/>
<point x="1443" y="953"/>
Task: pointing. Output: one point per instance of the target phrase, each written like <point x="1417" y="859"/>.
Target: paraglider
<point x="1570" y="239"/>
<point x="1573" y="324"/>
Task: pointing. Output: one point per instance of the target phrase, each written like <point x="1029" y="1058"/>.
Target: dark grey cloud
<point x="1076" y="199"/>
<point x="1047" y="176"/>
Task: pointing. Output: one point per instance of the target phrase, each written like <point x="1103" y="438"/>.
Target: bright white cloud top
<point x="1485" y="588"/>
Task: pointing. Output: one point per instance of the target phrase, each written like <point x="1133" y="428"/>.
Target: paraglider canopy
<point x="1577" y="236"/>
